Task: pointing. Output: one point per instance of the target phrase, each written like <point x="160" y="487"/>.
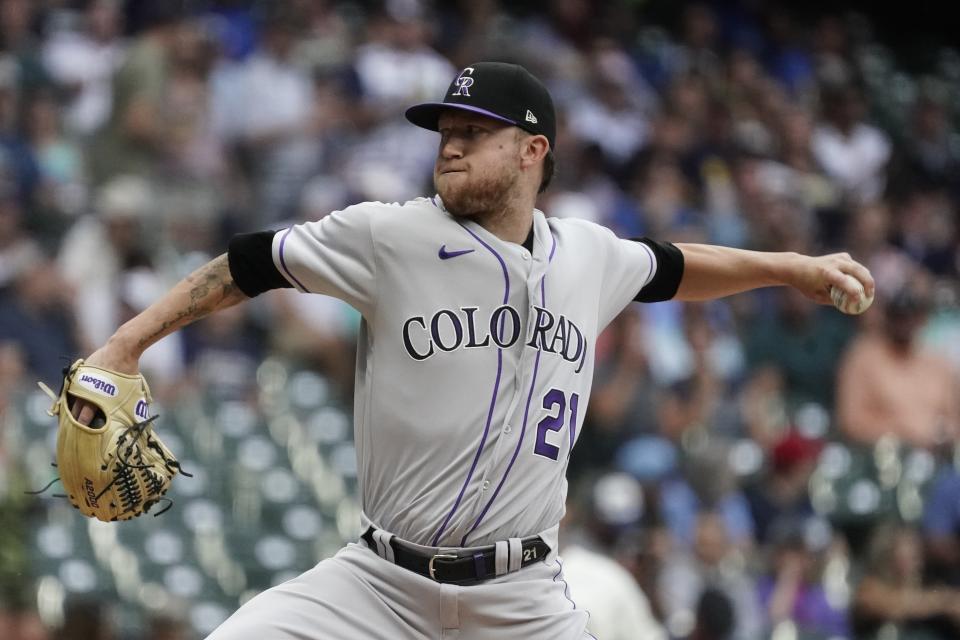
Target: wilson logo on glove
<point x="98" y="384"/>
<point x="118" y="470"/>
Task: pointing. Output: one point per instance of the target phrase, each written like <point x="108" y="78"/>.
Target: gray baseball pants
<point x="358" y="595"/>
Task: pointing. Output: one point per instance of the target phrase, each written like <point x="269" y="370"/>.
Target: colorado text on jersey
<point x="449" y="330"/>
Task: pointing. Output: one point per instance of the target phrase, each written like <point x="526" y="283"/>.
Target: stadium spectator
<point x="223" y="352"/>
<point x="803" y="342"/>
<point x="698" y="51"/>
<point x="662" y="196"/>
<point x="868" y="237"/>
<point x="266" y="106"/>
<point x="707" y="486"/>
<point x="397" y="65"/>
<point x="36" y="316"/>
<point x="82" y="58"/>
<point x="712" y="563"/>
<point x="623" y="404"/>
<point x="602" y="510"/>
<point x="792" y="593"/>
<point x="852" y="152"/>
<point x="926" y="230"/>
<point x="620" y="99"/>
<point x="929" y="156"/>
<point x="714" y="617"/>
<point x="114" y="233"/>
<point x="194" y="151"/>
<point x="889" y="384"/>
<point x="892" y="590"/>
<point x="18" y="38"/>
<point x="782" y="493"/>
<point x="325" y="42"/>
<point x="941" y="526"/>
<point x="18" y="167"/>
<point x="61" y="193"/>
<point x="133" y="138"/>
<point x="16" y="243"/>
<point x="711" y="353"/>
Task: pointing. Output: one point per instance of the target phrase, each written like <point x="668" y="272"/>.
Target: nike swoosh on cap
<point x="446" y="255"/>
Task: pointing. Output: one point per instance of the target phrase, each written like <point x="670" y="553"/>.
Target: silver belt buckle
<point x="443" y="556"/>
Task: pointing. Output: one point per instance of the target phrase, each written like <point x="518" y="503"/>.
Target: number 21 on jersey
<point x="556" y="400"/>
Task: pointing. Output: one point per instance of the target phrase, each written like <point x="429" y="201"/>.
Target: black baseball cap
<point x="505" y="92"/>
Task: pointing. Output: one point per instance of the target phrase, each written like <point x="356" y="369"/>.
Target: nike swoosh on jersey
<point x="446" y="255"/>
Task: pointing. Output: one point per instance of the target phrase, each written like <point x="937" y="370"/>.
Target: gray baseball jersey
<point x="475" y="358"/>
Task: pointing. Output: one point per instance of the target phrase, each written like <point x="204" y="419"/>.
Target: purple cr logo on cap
<point x="464" y="82"/>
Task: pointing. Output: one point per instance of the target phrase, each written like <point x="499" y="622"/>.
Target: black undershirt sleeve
<point x="250" y="256"/>
<point x="669" y="272"/>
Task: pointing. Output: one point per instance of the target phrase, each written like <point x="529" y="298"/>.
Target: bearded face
<point x="478" y="164"/>
<point x="475" y="190"/>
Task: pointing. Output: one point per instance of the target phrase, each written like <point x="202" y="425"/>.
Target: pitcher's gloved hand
<point x="115" y="467"/>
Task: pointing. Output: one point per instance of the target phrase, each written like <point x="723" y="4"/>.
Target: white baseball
<point x="851" y="306"/>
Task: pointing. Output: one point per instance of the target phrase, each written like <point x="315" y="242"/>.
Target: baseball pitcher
<point x="474" y="365"/>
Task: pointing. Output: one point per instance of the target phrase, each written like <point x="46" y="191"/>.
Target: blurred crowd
<point x="137" y="136"/>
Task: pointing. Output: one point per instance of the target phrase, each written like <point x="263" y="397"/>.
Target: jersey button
<point x="507" y="429"/>
<point x="526" y="256"/>
<point x="486" y="485"/>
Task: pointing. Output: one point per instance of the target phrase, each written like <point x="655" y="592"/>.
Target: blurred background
<point x="756" y="467"/>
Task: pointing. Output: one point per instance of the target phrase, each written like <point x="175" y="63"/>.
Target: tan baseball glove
<point x="116" y="468"/>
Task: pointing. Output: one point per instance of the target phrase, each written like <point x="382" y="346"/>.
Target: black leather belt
<point x="458" y="566"/>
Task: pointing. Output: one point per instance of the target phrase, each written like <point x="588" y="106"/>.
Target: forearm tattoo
<point x="209" y="288"/>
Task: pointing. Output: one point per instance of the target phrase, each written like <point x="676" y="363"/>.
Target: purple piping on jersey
<point x="566" y="593"/>
<point x="493" y="398"/>
<point x="526" y="411"/>
<point x="283" y="263"/>
<point x="523" y="430"/>
<point x="566" y="587"/>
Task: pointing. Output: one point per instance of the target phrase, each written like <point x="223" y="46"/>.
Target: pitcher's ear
<point x="533" y="149"/>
